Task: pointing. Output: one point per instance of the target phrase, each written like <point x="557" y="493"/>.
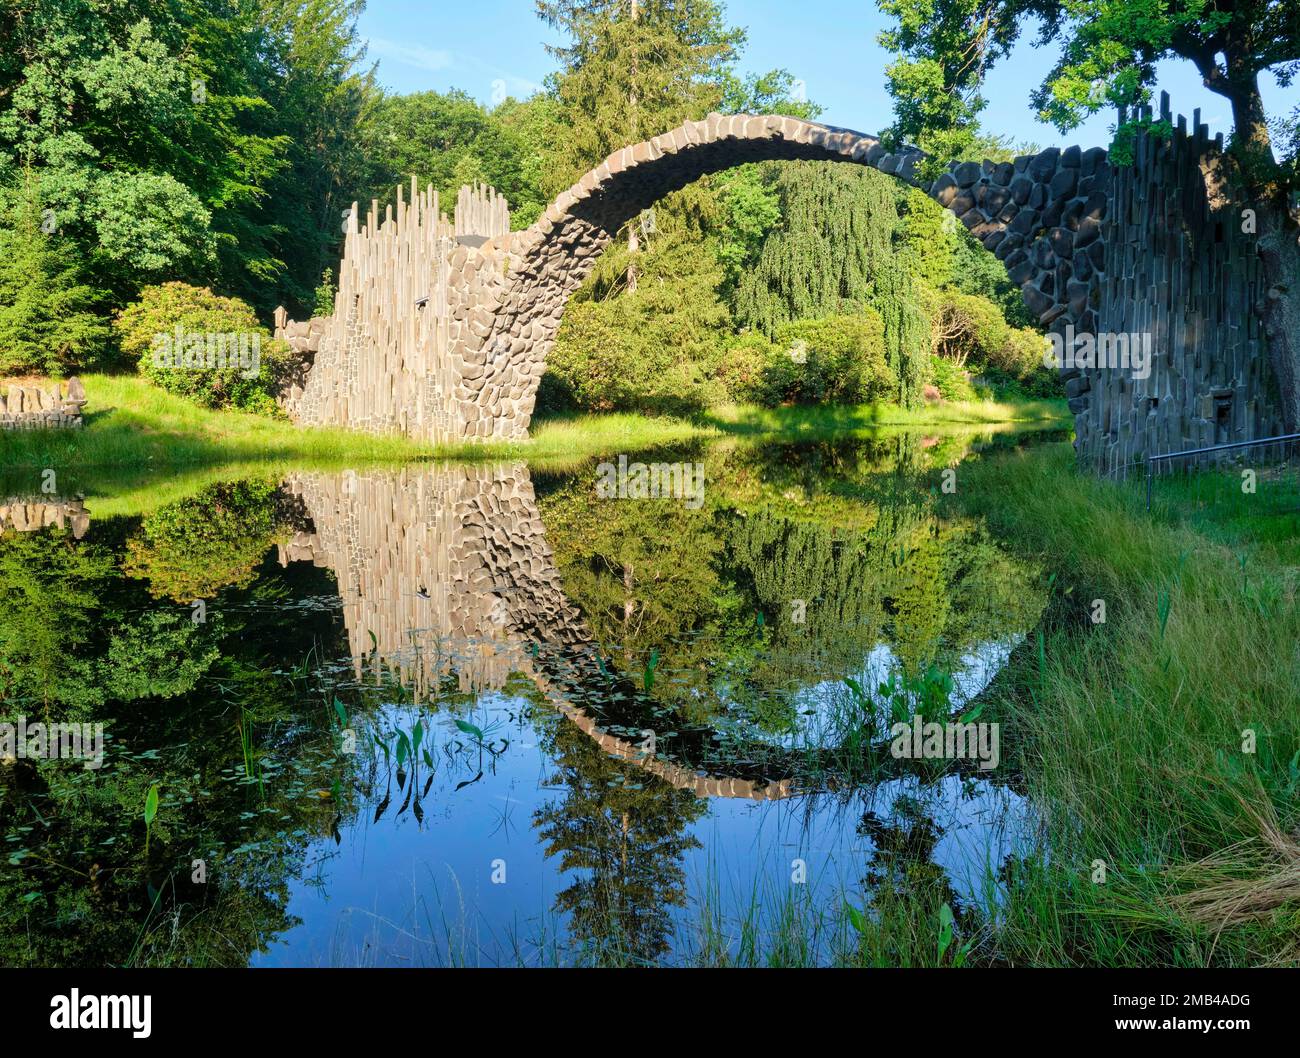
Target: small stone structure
<point x="24" y="515"/>
<point x="30" y="407"/>
<point x="442" y="328"/>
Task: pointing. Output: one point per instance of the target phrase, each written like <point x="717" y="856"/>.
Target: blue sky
<point x="489" y="47"/>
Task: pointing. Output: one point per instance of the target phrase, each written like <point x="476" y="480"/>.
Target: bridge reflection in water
<point x="447" y="571"/>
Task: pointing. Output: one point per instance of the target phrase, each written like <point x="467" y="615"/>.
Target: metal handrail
<point x="1152" y="460"/>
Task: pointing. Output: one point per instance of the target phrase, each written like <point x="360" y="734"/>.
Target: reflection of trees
<point x="77" y="887"/>
<point x="193" y="548"/>
<point x="848" y="528"/>
<point x="49" y="588"/>
<point x="622" y="834"/>
<point x="907" y="886"/>
<point x="902" y="864"/>
<point x="646" y="575"/>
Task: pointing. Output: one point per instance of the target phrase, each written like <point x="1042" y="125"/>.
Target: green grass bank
<point x="1161" y="744"/>
<point x="129" y="423"/>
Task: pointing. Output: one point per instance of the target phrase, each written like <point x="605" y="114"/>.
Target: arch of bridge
<point x="1041" y="216"/>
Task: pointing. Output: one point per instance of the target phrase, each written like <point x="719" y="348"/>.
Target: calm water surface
<point x="476" y="714"/>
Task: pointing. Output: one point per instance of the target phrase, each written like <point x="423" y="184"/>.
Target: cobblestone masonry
<point x="442" y="327"/>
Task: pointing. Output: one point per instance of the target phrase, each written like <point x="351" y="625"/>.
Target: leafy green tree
<point x="662" y="349"/>
<point x="752" y="209"/>
<point x="204" y="142"/>
<point x="838" y="359"/>
<point x="320" y="93"/>
<point x="834" y="250"/>
<point x="631" y="69"/>
<point x="448" y="139"/>
<point x="774" y="92"/>
<point x="620" y="836"/>
<point x="48" y="322"/>
<point x="150" y="226"/>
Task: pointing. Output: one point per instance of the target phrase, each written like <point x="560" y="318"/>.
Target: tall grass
<point x="1133" y="733"/>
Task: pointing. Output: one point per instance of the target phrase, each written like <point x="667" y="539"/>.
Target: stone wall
<point x="38" y="407"/>
<point x="1178" y="267"/>
<point x="414" y="288"/>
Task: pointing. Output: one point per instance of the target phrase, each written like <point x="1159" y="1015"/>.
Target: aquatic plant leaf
<point x="151" y="805"/>
<point x="469" y="729"/>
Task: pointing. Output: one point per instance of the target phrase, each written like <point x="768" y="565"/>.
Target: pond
<point x="490" y="714"/>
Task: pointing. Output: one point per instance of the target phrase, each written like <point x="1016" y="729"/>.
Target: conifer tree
<point x="47" y="319"/>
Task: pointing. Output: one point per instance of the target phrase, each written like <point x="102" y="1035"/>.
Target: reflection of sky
<point x="817" y="706"/>
<point x="393" y="891"/>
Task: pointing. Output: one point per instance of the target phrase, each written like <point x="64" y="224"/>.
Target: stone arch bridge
<point x="443" y="325"/>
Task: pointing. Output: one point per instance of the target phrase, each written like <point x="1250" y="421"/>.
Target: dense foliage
<point x="191" y="165"/>
<point x="190" y="341"/>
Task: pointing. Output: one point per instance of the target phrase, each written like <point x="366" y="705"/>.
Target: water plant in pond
<point x="252" y="765"/>
<point x="653" y="663"/>
<point x="150" y="813"/>
<point x="946" y="938"/>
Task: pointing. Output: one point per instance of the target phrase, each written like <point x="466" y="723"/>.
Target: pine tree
<point x="47" y="322"/>
<point x="633" y="69"/>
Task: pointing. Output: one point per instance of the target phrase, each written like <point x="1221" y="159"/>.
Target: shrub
<point x="173" y="323"/>
<point x="843" y="361"/>
<point x="656" y="351"/>
<point x="969" y="328"/>
<point x="742" y="370"/>
<point x="950" y="380"/>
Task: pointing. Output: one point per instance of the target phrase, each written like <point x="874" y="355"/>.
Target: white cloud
<point x="473" y="70"/>
<point x="412" y="54"/>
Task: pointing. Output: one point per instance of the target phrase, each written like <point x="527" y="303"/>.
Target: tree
<point x="51" y="585"/>
<point x="211" y="143"/>
<point x="1108" y="52"/>
<point x="449" y="139"/>
<point x="48" y="322"/>
<point x="633" y="69"/>
<point x="834" y="252"/>
<point x="203" y="544"/>
<point x="321" y="97"/>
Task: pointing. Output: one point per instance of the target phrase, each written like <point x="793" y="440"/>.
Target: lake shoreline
<point x="128" y="422"/>
<point x="1152" y="716"/>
